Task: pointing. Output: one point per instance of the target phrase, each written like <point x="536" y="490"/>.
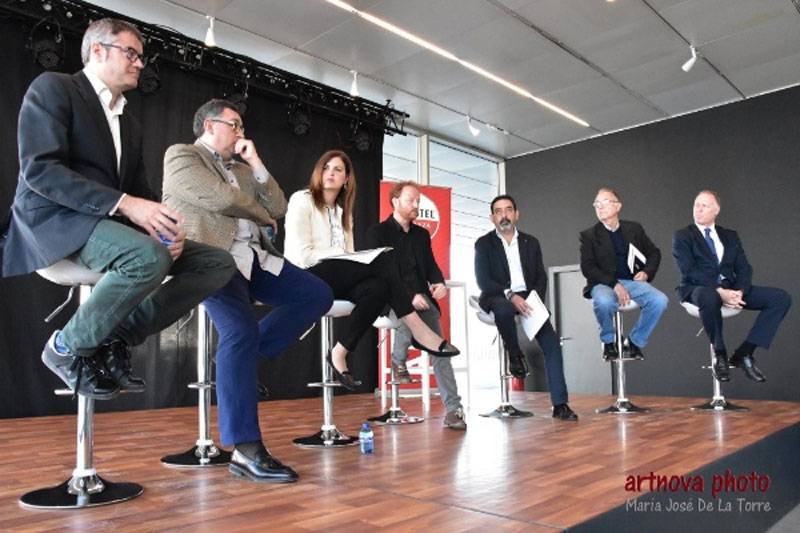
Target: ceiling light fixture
<point x="472" y="128"/>
<point x="452" y="57"/>
<point x="691" y="61"/>
<point x="210" y="41"/>
<point x="354" y="86"/>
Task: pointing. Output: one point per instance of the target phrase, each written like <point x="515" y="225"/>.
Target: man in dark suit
<point x="610" y="281"/>
<point x="83" y="194"/>
<point x="425" y="284"/>
<point x="508" y="266"/>
<point x="715" y="273"/>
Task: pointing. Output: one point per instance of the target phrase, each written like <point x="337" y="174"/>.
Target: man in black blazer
<point x="425" y="284"/>
<point x="610" y="281"/>
<point x="82" y="193"/>
<point x="715" y="272"/>
<point x="508" y="266"/>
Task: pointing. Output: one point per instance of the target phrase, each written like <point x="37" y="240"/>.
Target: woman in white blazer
<point x="319" y="224"/>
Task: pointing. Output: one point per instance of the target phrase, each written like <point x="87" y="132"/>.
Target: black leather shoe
<point x="631" y="351"/>
<point x="83" y="375"/>
<point x="563" y="412"/>
<point x="445" y="349"/>
<point x="345" y="378"/>
<point x="517" y="366"/>
<point x="116" y="356"/>
<point x="610" y="351"/>
<point x="720" y="366"/>
<point x="748" y="365"/>
<point x="261" y="467"/>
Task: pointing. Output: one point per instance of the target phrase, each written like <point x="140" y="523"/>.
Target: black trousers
<point x="371" y="287"/>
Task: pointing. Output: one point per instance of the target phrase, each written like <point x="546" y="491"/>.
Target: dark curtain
<point x="167" y="361"/>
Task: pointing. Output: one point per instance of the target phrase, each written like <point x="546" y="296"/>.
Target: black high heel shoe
<point x="445" y="349"/>
<point x="345" y="378"/>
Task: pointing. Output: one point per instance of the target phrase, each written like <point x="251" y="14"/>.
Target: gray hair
<point x="103" y="31"/>
<point x="211" y="109"/>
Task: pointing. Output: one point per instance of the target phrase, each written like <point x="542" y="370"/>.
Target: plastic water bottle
<point x="366" y="438"/>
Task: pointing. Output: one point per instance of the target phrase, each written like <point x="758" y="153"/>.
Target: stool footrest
<point x="320" y="384"/>
<point x="60" y="497"/>
<point x="203" y="386"/>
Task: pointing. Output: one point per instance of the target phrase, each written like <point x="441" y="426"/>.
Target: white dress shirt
<point x="514" y="262"/>
<point x="718" y="246"/>
<point x="112" y="116"/>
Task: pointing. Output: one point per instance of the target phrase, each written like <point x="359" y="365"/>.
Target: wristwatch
<point x="509" y="293"/>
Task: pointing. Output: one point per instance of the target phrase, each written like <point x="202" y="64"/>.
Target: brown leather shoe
<point x="401" y="374"/>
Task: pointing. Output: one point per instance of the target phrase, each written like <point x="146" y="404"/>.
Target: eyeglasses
<point x="604" y="202"/>
<point x="235" y="125"/>
<point x="129" y="52"/>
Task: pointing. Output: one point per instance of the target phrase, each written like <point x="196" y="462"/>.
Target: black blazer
<point x="599" y="260"/>
<point x="491" y="266"/>
<point x="699" y="268"/>
<point x="390" y="233"/>
<point x="68" y="178"/>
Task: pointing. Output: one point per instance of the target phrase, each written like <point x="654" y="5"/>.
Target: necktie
<point x="710" y="243"/>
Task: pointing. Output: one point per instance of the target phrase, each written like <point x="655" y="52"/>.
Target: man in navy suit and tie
<point x="508" y="266"/>
<point x="715" y="273"/>
<point x="83" y="194"/>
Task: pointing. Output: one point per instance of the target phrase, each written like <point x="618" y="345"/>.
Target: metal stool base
<point x="507" y="411"/>
<point x="197" y="458"/>
<point x="59" y="497"/>
<point x="395" y="417"/>
<point x="623" y="407"/>
<point x="719" y="404"/>
<point x="328" y="438"/>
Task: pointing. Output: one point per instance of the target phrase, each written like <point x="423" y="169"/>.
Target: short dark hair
<point x="397" y="189"/>
<point x="104" y="30"/>
<point x="212" y="108"/>
<point x="502" y="197"/>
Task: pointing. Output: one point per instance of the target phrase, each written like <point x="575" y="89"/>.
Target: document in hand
<point x="534" y="322"/>
<point x="364" y="256"/>
<point x="635" y="259"/>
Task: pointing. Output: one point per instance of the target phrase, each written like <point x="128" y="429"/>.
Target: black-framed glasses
<point x="235" y="125"/>
<point x="129" y="52"/>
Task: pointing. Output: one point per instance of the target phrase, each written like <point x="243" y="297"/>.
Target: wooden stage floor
<point x="533" y="474"/>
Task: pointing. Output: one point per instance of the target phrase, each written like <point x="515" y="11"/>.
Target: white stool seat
<point x="694" y="311"/>
<point x="630" y="306"/>
<point x="340" y="308"/>
<point x="69" y="272"/>
<point x="487" y="317"/>
<point x="389" y="321"/>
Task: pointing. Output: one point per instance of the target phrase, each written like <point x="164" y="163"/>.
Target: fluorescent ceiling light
<point x="452" y="57"/>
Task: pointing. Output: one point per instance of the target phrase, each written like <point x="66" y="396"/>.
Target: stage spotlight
<point x="472" y="128"/>
<point x="354" y="86"/>
<point x="237" y="93"/>
<point x="47" y="44"/>
<point x="210" y="41"/>
<point x="691" y="61"/>
<point x="149" y="80"/>
<point x="298" y="120"/>
<point x="362" y="140"/>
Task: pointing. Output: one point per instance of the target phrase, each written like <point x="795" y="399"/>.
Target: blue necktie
<point x="710" y="243"/>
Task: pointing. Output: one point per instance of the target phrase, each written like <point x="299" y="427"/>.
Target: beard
<point x="505" y="224"/>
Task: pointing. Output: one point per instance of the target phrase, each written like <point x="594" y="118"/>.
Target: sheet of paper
<point x="633" y="254"/>
<point x="533" y="323"/>
<point x="363" y="256"/>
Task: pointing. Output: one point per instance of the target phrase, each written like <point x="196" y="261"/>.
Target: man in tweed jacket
<point x="233" y="205"/>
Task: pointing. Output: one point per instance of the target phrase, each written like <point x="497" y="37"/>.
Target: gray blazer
<point x="196" y="186"/>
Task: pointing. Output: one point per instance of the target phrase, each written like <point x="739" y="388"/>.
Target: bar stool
<point x="622" y="405"/>
<point x="204" y="453"/>
<point x="85" y="488"/>
<point x="718" y="401"/>
<point x="505" y="410"/>
<point x="328" y="436"/>
<point x="394" y="416"/>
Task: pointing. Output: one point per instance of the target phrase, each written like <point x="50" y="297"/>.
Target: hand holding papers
<point x="533" y="321"/>
<point x="364" y="256"/>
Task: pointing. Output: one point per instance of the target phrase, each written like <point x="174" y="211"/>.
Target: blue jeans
<point x="652" y="302"/>
<point x="297" y="298"/>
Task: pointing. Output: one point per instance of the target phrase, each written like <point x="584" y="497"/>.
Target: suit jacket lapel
<point x="701" y="241"/>
<point x="208" y="159"/>
<point x="95" y="109"/>
<point x="501" y="256"/>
